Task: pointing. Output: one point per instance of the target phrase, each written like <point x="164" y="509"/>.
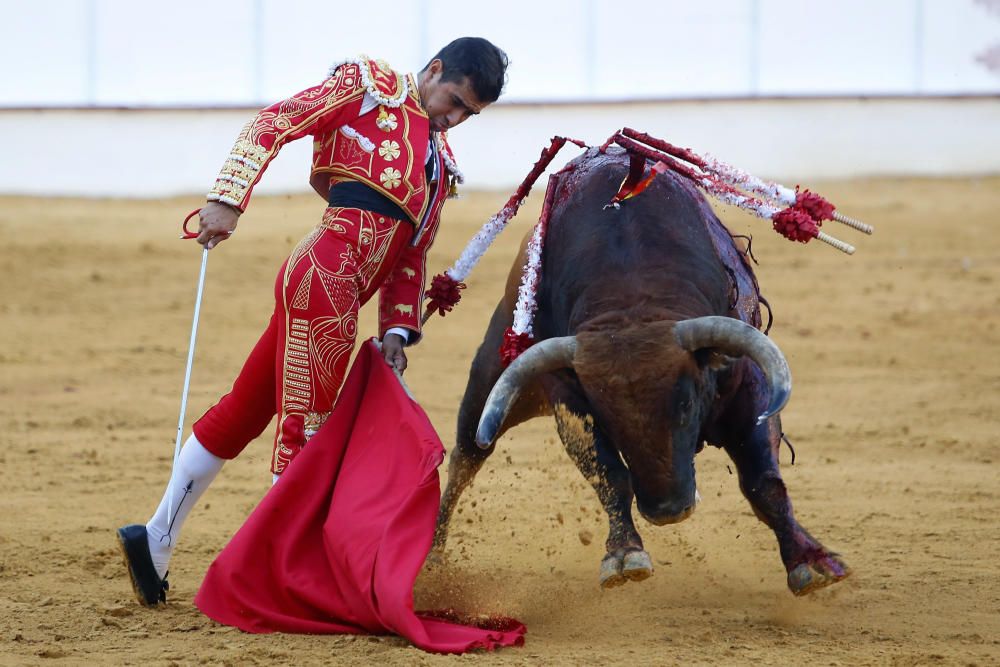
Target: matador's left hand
<point x="392" y="351"/>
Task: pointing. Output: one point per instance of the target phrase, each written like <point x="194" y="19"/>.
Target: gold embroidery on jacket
<point x="249" y="155"/>
<point x="390" y="178"/>
<point x="386" y="120"/>
<point x="389" y="150"/>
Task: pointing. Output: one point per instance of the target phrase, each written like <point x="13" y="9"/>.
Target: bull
<point x="648" y="347"/>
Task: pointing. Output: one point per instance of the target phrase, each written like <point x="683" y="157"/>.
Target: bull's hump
<point x="661" y="246"/>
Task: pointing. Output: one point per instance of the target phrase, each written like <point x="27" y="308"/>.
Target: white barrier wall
<point x="136" y="98"/>
<point x="249" y="52"/>
<point x="164" y="152"/>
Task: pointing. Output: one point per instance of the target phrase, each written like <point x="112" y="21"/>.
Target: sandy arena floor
<point x="894" y="417"/>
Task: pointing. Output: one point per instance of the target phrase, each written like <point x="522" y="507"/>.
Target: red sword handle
<point x="186" y="233"/>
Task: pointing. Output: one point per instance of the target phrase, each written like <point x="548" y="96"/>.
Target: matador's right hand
<point x="217" y="223"/>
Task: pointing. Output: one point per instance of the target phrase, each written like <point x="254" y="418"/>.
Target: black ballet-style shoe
<point x="149" y="589"/>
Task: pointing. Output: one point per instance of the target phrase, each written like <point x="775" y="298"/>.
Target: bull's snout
<point x="671" y="510"/>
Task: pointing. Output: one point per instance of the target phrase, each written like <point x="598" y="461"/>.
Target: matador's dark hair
<point x="479" y="59"/>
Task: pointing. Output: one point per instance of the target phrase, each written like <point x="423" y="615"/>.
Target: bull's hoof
<point x="611" y="571"/>
<point x="817" y="574"/>
<point x="618" y="568"/>
<point x="637" y="565"/>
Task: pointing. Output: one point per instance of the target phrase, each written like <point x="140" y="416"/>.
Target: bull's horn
<point x="737" y="338"/>
<point x="545" y="356"/>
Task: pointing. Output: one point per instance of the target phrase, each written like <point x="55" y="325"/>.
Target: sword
<point x="194" y="333"/>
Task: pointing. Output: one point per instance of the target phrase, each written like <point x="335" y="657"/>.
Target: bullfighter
<point x="382" y="162"/>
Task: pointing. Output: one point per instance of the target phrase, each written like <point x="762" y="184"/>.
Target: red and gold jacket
<point x="368" y="126"/>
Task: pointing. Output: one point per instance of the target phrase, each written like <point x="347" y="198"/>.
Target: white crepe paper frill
<point x="524" y="311"/>
<point x="734" y="198"/>
<point x="477" y="247"/>
<point x="747" y="181"/>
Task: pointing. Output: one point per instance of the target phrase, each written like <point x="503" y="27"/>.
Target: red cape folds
<point x="337" y="543"/>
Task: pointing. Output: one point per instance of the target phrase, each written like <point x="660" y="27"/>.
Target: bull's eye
<point x="682" y="398"/>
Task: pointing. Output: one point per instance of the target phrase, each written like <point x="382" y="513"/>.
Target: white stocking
<point x="196" y="468"/>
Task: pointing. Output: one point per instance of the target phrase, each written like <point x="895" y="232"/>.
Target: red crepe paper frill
<point x="444" y="293"/>
<point x="795" y="225"/>
<point x="816" y="206"/>
<point x="513" y="345"/>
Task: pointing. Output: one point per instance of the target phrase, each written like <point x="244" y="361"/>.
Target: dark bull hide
<point x="648" y="348"/>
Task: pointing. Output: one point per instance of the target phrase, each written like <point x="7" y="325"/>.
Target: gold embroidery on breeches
<point x="333" y="271"/>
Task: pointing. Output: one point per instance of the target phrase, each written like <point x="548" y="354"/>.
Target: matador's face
<point x="447" y="103"/>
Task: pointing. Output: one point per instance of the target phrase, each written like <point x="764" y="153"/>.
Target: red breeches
<point x="297" y="367"/>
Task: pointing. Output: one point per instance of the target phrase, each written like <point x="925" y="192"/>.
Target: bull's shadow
<point x="649" y="347"/>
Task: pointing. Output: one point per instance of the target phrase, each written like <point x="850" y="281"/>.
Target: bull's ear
<point x="712" y="358"/>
